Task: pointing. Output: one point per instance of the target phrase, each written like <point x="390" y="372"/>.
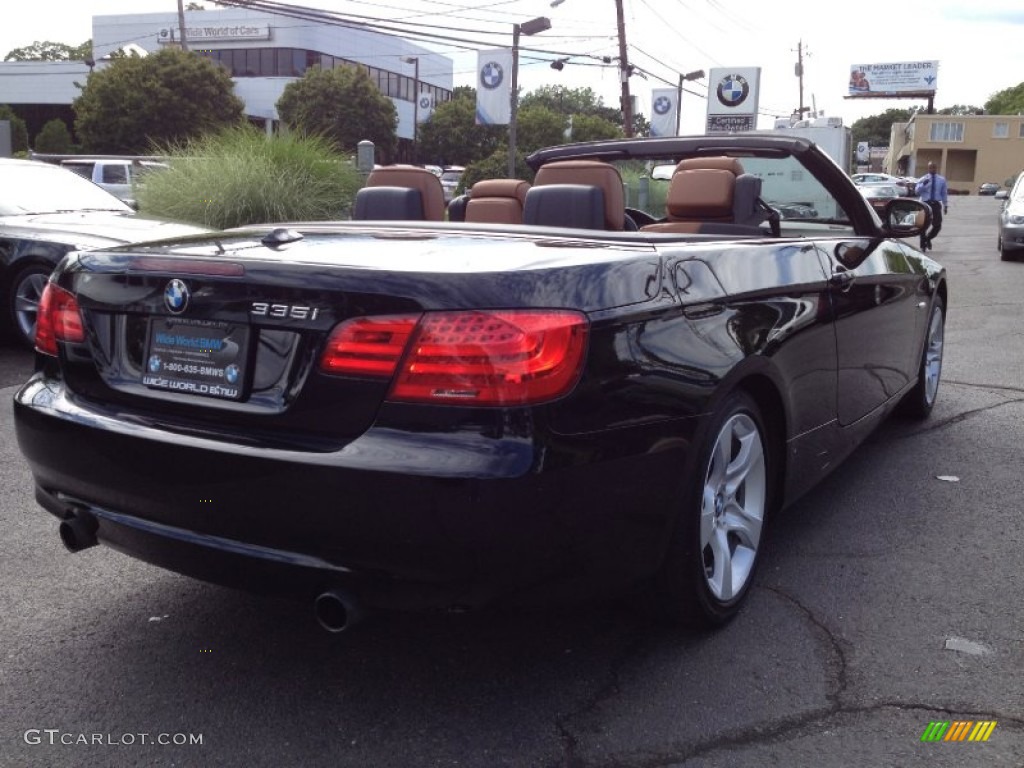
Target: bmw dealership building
<point x="264" y="52"/>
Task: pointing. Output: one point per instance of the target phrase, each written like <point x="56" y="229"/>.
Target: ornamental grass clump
<point x="242" y="176"/>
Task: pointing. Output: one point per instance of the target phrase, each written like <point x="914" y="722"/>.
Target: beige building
<point x="969" y="149"/>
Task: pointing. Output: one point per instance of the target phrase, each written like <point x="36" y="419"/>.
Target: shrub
<point x="242" y="176"/>
<point x="54" y="138"/>
<point x="19" y="131"/>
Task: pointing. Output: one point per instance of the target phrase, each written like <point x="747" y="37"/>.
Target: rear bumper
<point x="400" y="518"/>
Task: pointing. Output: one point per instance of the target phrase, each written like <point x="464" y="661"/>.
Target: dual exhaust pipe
<point x="336" y="610"/>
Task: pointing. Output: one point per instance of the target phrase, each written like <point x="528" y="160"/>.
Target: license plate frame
<point x="209" y="358"/>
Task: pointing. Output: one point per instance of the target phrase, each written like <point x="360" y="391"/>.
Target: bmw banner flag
<point x="664" y="109"/>
<point x="494" y="87"/>
<point x="424" y="106"/>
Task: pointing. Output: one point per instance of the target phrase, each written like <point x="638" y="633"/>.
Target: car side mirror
<point x="905" y="217"/>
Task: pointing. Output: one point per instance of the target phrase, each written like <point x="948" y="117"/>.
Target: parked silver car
<point x="1011" y="222"/>
<point x="451" y="177"/>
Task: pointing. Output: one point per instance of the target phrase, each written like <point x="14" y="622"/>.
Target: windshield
<point x="788" y="187"/>
<point x="35" y="187"/>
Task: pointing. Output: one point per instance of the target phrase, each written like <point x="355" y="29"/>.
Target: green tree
<point x="495" y="166"/>
<point x="1009" y="101"/>
<point x="961" y="109"/>
<point x="54" y="138"/>
<point x="135" y="102"/>
<point x="876" y="129"/>
<point x="537" y="127"/>
<point x="594" y="128"/>
<point x="342" y="105"/>
<point x="452" y="137"/>
<point x="581" y="101"/>
<point x="19" y="131"/>
<point x="49" y="51"/>
<point x="570" y="101"/>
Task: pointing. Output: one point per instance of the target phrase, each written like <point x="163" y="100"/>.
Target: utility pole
<point x="181" y="26"/>
<point x="627" y="101"/>
<point x="799" y="71"/>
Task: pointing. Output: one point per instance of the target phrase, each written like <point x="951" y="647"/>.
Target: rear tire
<point x="22" y="301"/>
<point x="714" y="553"/>
<point x="918" y="402"/>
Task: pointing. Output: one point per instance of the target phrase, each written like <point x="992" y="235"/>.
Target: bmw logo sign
<point x="176" y="296"/>
<point x="155" y="363"/>
<point x="424" y="102"/>
<point x="231" y="374"/>
<point x="662" y="105"/>
<point x="491" y="75"/>
<point x="733" y="90"/>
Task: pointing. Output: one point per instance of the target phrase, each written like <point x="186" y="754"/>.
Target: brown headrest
<point x="722" y="163"/>
<point x="700" y="193"/>
<point x="421" y="179"/>
<point x="500" y="188"/>
<point x="592" y="173"/>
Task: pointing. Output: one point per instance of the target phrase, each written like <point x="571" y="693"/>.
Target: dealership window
<point x="1001" y="130"/>
<point x="268" y="61"/>
<point x="1021" y="131"/>
<point x="293" y="62"/>
<point x="946" y="132"/>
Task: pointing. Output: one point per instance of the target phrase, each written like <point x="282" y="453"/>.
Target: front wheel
<point x="918" y="402"/>
<point x="716" y="545"/>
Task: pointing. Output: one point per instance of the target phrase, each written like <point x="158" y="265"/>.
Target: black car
<point x="988" y="188"/>
<point x="440" y="414"/>
<point x="45" y="212"/>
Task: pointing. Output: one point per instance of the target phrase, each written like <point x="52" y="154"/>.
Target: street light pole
<point x="514" y="108"/>
<point x="695" y="75"/>
<point x="531" y="27"/>
<point x="415" y="60"/>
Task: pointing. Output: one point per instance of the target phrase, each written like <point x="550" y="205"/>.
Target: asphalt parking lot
<point x="885" y="603"/>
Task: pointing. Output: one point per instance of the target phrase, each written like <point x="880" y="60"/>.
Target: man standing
<point x="933" y="190"/>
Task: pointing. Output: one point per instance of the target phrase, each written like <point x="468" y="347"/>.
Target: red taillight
<point x="58" y="319"/>
<point x="501" y="357"/>
<point x="509" y="357"/>
<point x="368" y="346"/>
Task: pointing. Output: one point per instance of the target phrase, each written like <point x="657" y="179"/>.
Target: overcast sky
<point x="978" y="43"/>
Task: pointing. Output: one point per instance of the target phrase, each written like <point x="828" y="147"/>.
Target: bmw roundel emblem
<point x="662" y="105"/>
<point x="231" y="374"/>
<point x="155" y="363"/>
<point x="491" y="75"/>
<point x="424" y="102"/>
<point x="176" y="296"/>
<point x="733" y="90"/>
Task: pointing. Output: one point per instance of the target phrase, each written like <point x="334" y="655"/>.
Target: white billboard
<point x="899" y="78"/>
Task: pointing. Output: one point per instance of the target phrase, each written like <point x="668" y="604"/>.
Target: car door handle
<point x="842" y="280"/>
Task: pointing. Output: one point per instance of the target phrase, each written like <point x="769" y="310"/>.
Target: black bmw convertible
<point x="601" y="379"/>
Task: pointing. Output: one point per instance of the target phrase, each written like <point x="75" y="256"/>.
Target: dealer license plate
<point x="198" y="357"/>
